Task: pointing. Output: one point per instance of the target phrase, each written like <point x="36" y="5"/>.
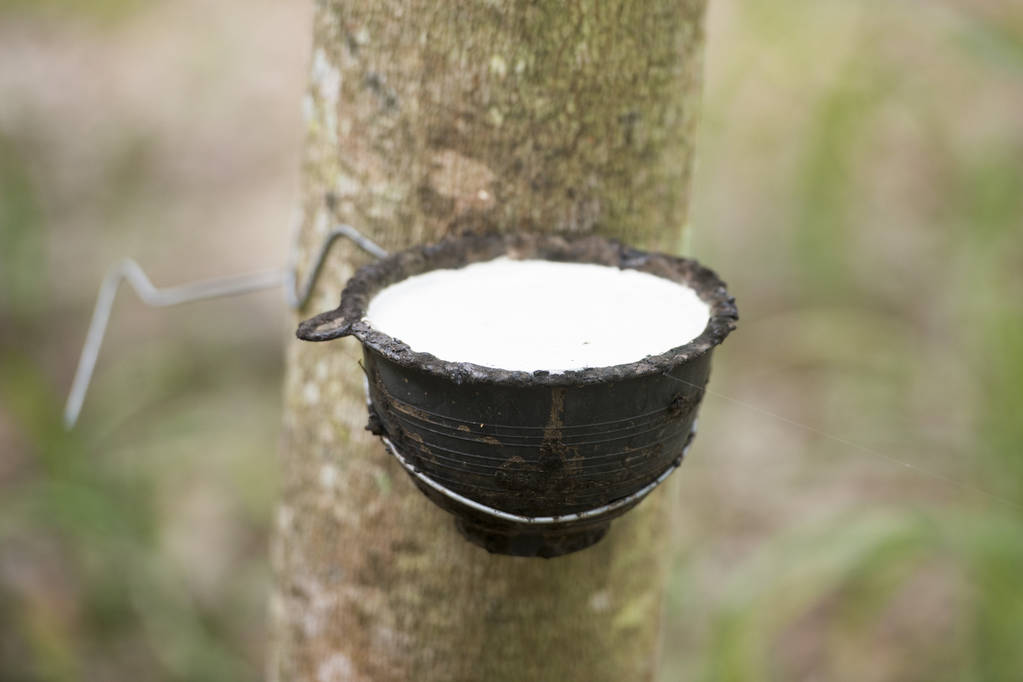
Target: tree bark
<point x="427" y="119"/>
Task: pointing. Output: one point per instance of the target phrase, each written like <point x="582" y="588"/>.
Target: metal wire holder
<point x="131" y="272"/>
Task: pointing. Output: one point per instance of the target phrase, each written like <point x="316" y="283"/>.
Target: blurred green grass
<point x="860" y="187"/>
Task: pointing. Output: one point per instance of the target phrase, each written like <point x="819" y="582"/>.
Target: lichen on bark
<point x="426" y="119"/>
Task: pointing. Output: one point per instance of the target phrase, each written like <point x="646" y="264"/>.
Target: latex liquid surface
<point x="534" y="315"/>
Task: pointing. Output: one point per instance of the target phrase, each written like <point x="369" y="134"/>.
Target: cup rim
<point x="453" y="252"/>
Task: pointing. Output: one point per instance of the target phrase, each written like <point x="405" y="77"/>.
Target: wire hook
<point x="130" y="271"/>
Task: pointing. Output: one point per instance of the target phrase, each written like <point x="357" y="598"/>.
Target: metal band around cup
<point x="538" y="520"/>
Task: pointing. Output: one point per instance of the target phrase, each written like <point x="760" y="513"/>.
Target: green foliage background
<point x="853" y="508"/>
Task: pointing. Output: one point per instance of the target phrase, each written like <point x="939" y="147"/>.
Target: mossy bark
<point x="426" y="119"/>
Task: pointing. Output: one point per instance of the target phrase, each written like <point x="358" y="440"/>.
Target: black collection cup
<point x="531" y="463"/>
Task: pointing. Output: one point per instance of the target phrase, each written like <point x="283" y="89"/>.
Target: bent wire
<point x="235" y="285"/>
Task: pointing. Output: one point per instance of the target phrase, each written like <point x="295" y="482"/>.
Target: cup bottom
<point x="513" y="542"/>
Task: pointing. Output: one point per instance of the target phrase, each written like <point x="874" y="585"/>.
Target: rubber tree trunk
<point x="431" y="118"/>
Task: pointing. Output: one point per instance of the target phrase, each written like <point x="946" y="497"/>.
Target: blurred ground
<point x="853" y="508"/>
